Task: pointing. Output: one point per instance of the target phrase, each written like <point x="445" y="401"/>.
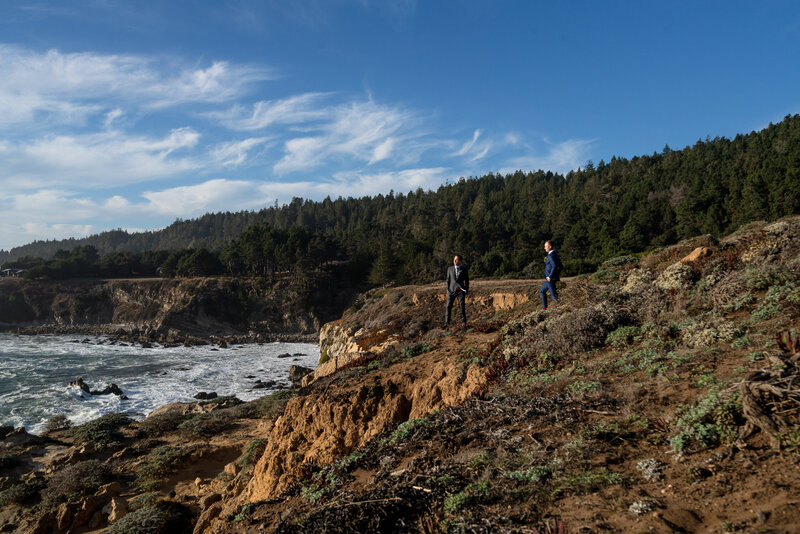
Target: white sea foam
<point x="35" y="371"/>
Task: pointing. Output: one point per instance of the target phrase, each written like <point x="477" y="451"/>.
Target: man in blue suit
<point x="457" y="287"/>
<point x="552" y="274"/>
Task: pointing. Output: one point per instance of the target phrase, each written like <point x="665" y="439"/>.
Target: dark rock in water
<point x="78" y="382"/>
<point x="223" y="344"/>
<point x="206" y="396"/>
<point x="110" y="389"/>
<point x="250" y="376"/>
<point x="298" y="354"/>
<point x="297" y="372"/>
<point x="284" y="355"/>
<point x="182" y="369"/>
<point x="123" y="397"/>
<point x="5" y="430"/>
<point x="147" y="345"/>
<point x="214" y="350"/>
<point x="259" y="385"/>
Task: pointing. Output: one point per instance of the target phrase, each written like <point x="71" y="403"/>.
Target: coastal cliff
<point x="174" y="310"/>
<point x="660" y="394"/>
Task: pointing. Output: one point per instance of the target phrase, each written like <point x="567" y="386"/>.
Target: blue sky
<point x="132" y="114"/>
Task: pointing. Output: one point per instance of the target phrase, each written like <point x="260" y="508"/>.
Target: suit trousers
<point x="543" y="292"/>
<point x="451" y="297"/>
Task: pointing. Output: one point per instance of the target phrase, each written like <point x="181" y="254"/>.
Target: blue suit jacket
<point x="552" y="266"/>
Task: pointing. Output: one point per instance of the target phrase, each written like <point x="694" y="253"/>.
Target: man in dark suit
<point x="457" y="287"/>
<point x="552" y="274"/>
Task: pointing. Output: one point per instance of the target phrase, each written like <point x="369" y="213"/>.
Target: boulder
<point x="5" y="430"/>
<point x="296" y="374"/>
<point x="202" y="395"/>
<point x="110" y="389"/>
<point x="116" y="509"/>
<point x="232" y="468"/>
<point x="696" y="254"/>
<point x="284" y="355"/>
<point x="78" y="382"/>
<point x="208" y="500"/>
<point x="205" y="519"/>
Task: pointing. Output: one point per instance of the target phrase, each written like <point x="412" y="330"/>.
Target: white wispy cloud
<point x="560" y="157"/>
<point x="364" y="131"/>
<point x="235" y="153"/>
<point x="296" y="109"/>
<point x="53" y="87"/>
<point x="475" y="149"/>
<point x="96" y="160"/>
<point x="212" y="195"/>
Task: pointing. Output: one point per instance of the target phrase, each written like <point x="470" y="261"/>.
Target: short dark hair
<point x="458" y="256"/>
<point x="548" y="242"/>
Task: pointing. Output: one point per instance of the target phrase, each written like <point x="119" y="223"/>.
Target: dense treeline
<point x="84" y="261"/>
<point x="497" y="222"/>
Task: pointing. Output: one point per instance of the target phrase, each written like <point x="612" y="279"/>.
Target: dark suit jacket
<point x="454" y="281"/>
<point x="552" y="266"/>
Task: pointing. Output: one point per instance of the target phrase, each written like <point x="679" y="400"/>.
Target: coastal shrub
<point x="103" y="432"/>
<point x="474" y="492"/>
<point x="56" y="423"/>
<point x="766" y="277"/>
<point x="740" y="303"/>
<point x="206" y="425"/>
<point x="775" y="299"/>
<point x="244" y="512"/>
<point x="415" y="350"/>
<point x="579" y="386"/>
<point x="620" y="261"/>
<point x="604" y="276"/>
<point x="160" y="463"/>
<point x="142" y="500"/>
<point x="165" y="517"/>
<point x="8" y="461"/>
<point x="530" y="475"/>
<point x="407" y="428"/>
<point x="587" y="481"/>
<point x="160" y="423"/>
<point x="251" y="454"/>
<point x="269" y="406"/>
<point x="21" y="493"/>
<point x="713" y="420"/>
<point x="311" y="494"/>
<point x="349" y="461"/>
<point x="82" y="478"/>
<point x="624" y="335"/>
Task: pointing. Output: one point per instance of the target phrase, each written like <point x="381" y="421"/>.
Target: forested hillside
<point x="498" y="222"/>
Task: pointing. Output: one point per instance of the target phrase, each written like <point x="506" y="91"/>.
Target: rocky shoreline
<point x="149" y="336"/>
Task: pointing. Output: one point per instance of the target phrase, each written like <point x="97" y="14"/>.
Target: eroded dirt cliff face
<point x="345" y="411"/>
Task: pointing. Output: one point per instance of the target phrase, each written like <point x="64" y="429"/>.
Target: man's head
<point x="457" y="260"/>
<point x="548" y="246"/>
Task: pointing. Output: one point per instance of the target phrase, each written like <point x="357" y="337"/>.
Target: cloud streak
<point x="51" y="88"/>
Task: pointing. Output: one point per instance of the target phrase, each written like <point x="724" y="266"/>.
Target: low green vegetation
<point x="715" y="419"/>
<point x="102" y="432"/>
<point x="405" y="429"/>
<point x="475" y="492"/>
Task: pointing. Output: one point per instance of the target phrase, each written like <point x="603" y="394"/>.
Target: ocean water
<point x="35" y="372"/>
